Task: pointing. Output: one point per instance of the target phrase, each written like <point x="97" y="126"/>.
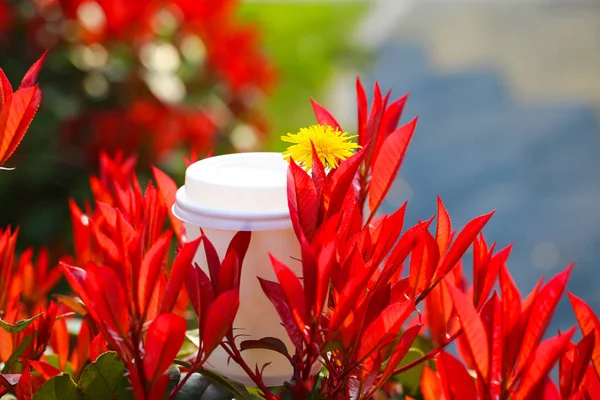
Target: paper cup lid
<point x="245" y="191"/>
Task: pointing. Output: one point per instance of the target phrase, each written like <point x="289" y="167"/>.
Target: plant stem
<point x="139" y="364"/>
<point x="427" y="356"/>
<point x="236" y="356"/>
<point x="195" y="365"/>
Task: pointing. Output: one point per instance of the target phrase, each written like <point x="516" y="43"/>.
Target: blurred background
<point x="508" y="95"/>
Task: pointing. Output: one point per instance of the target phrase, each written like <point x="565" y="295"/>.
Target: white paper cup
<point x="245" y="192"/>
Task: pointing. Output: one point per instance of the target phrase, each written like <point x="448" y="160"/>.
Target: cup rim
<point x="195" y="214"/>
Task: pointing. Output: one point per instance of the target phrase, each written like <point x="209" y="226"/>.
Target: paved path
<point x="482" y="147"/>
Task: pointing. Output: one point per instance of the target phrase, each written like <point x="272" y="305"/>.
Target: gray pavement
<point x="482" y="145"/>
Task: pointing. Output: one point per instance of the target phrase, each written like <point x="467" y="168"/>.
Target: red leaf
<point x="213" y="262"/>
<point x="159" y="390"/>
<point x="431" y="385"/>
<point x="371" y="306"/>
<point x="5" y="90"/>
<point x="473" y="329"/>
<point x="588" y="322"/>
<point x="387" y="323"/>
<point x="231" y="267"/>
<point x="167" y="188"/>
<point x="528" y="302"/>
<point x="542" y="310"/>
<point x="462" y="243"/>
<point x="310" y="271"/>
<point x="342" y="179"/>
<point x="76" y="278"/>
<point x="163" y="341"/>
<point x="302" y="201"/>
<point x="400" y="350"/>
<point x="239" y="244"/>
<point x="549" y="390"/>
<point x="9" y="381"/>
<point x="497" y="347"/>
<point x="370" y="369"/>
<point x="33" y="72"/>
<point x="389" y="122"/>
<point x="583" y="355"/>
<point x="544" y="358"/>
<point x="511" y="317"/>
<point x="591" y="381"/>
<point x="416" y="263"/>
<point x="438" y="306"/>
<point x="361" y="99"/>
<point x="219" y="319"/>
<point x="324" y="117"/>
<point x="150" y="270"/>
<point x="60" y="341"/>
<point x="81" y="234"/>
<point x="200" y="291"/>
<point x="275" y="294"/>
<point x="325" y="265"/>
<point x="319" y="176"/>
<point x="457" y="383"/>
<point x="444" y="227"/>
<point x="423" y="263"/>
<point x="97" y="347"/>
<point x="108" y="298"/>
<point x="345" y="223"/>
<point x="388" y="163"/>
<point x="374" y="121"/>
<point x="181" y="265"/>
<point x="401" y="250"/>
<point x="350" y="293"/>
<point x="81" y="354"/>
<point x="392" y="114"/>
<point x="28" y="114"/>
<point x="565" y="371"/>
<point x="108" y="248"/>
<point x="18" y="109"/>
<point x="269" y="343"/>
<point x="292" y="290"/>
<point x="487" y="276"/>
<point x="46" y="370"/>
<point x="229" y="273"/>
<point x="25" y="388"/>
<point x="391" y="227"/>
<point x="15" y="119"/>
<point x="375" y="134"/>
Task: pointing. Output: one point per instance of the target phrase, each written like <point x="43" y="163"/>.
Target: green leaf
<point x="174" y="378"/>
<point x="60" y="387"/>
<point x="236" y="389"/>
<point x="268" y="343"/>
<point x="74" y="303"/>
<point x="315" y="393"/>
<point x="19" y="325"/>
<point x="197" y="387"/>
<point x="53" y="360"/>
<point x="105" y="378"/>
<point x="15" y="356"/>
<point x="333" y="345"/>
<point x="411" y="379"/>
<point x="255" y="392"/>
<point x="193" y="335"/>
<point x="187" y="350"/>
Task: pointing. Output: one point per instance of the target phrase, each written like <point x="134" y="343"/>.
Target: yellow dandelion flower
<point x="331" y="145"/>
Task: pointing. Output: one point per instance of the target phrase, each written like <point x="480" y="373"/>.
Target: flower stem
<point x="427" y="356"/>
<point x="231" y="349"/>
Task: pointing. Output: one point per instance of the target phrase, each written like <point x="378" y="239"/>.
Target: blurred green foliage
<point x="308" y="43"/>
